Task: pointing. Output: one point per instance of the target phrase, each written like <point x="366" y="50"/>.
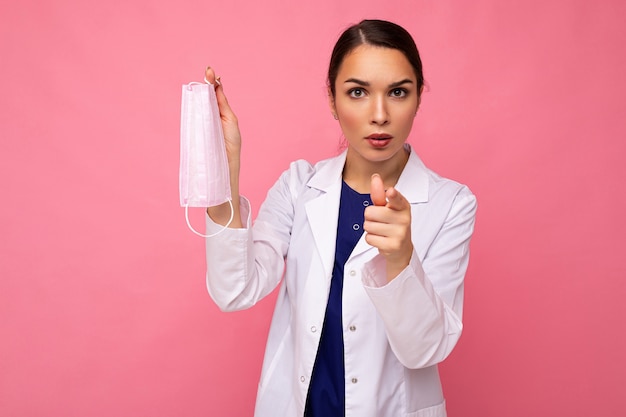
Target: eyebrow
<point x="367" y="84"/>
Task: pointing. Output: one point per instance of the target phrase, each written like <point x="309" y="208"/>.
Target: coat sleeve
<point x="245" y="265"/>
<point x="422" y="307"/>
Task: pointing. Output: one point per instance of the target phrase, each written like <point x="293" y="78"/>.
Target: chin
<point x="382" y="155"/>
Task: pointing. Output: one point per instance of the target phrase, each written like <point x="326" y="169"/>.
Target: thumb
<point x="377" y="191"/>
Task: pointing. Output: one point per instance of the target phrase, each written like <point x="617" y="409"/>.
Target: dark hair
<point x="376" y="33"/>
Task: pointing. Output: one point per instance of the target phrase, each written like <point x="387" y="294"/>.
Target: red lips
<point x="379" y="140"/>
<point x="379" y="136"/>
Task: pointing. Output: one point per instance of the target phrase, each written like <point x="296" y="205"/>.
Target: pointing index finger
<point x="395" y="200"/>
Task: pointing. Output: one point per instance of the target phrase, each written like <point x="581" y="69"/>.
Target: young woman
<point x="371" y="247"/>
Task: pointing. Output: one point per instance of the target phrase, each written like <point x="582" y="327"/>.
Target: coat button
<point x="302" y="378"/>
<point x="352" y="272"/>
<point x="356" y="226"/>
<point x="353" y="328"/>
<point x="313" y="329"/>
<point x="354" y="380"/>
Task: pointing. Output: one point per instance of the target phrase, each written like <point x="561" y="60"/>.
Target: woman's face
<point x="376" y="99"/>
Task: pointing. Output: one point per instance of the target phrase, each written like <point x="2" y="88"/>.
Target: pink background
<point x="103" y="307"/>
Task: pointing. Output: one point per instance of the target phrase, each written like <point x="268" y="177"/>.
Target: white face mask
<point x="204" y="179"/>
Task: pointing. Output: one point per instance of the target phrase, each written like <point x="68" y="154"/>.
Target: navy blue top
<point x="326" y="396"/>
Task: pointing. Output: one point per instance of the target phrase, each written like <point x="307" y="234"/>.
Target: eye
<point x="398" y="92"/>
<point x="356" y="92"/>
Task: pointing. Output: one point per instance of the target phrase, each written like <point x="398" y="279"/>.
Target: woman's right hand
<point x="232" y="141"/>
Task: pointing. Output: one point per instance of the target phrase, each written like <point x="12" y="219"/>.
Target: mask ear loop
<point x="217" y="81"/>
<point x="232" y="216"/>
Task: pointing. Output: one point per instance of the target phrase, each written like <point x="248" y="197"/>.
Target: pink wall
<point x="103" y="309"/>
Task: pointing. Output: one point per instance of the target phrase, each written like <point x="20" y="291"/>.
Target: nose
<point x="379" y="114"/>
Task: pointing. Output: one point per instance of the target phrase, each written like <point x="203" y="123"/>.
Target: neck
<point x="357" y="172"/>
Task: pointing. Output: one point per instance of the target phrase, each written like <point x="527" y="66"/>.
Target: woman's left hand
<point x="388" y="226"/>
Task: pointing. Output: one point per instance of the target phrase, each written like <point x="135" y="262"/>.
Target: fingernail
<point x="218" y="81"/>
<point x="207" y="68"/>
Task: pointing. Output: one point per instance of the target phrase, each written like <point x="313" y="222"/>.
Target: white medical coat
<point x="395" y="333"/>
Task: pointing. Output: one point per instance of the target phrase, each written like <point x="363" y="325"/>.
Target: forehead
<point x="373" y="63"/>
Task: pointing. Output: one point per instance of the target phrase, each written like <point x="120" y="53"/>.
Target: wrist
<point x="397" y="264"/>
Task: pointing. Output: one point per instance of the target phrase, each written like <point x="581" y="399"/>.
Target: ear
<point x="419" y="99"/>
<point x="331" y="103"/>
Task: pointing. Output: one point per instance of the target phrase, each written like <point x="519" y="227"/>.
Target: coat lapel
<point x="323" y="211"/>
<point x="413" y="182"/>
